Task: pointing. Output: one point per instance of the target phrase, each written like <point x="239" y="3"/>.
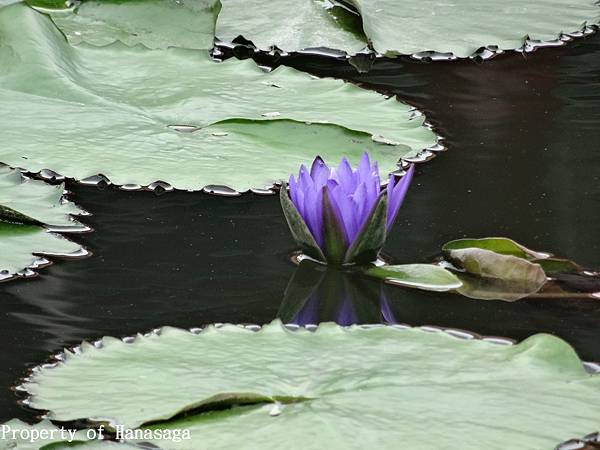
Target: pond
<point x="521" y="133"/>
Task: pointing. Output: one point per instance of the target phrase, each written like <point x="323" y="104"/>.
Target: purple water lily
<point x="345" y="212"/>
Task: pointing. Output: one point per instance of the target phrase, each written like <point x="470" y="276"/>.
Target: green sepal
<point x="298" y="227"/>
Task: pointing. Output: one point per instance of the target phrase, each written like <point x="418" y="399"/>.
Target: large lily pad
<point x="426" y="390"/>
<point x="29" y="201"/>
<point x="291" y="25"/>
<point x="462" y="27"/>
<point x="152" y="23"/>
<point x="128" y="113"/>
<point x="22" y="245"/>
<point x="17" y="435"/>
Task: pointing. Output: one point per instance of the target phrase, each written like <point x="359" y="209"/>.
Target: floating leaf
<point x="292" y="26"/>
<point x="560" y="265"/>
<point x="394" y="385"/>
<point x="422" y="276"/>
<point x="500" y="245"/>
<point x="28" y="201"/>
<point x="488" y="264"/>
<point x="116" y="111"/>
<point x="20" y="243"/>
<point x="462" y="27"/>
<point x="43" y="435"/>
<point x="153" y="23"/>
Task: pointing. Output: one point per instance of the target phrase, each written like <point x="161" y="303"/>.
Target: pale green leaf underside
<point x="461" y="27"/>
<point x="394" y="385"/>
<point x="35" y="201"/>
<point x="422" y="276"/>
<point x="85" y="110"/>
<point x="18" y="243"/>
<point x="291" y="25"/>
<point x="152" y="23"/>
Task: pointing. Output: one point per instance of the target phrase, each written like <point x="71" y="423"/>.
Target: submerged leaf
<point x="421" y="276"/>
<point x="394" y="385"/>
<point x="484" y="288"/>
<point x="462" y="27"/>
<point x="116" y="111"/>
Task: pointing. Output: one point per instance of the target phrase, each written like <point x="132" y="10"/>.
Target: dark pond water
<point x="523" y="136"/>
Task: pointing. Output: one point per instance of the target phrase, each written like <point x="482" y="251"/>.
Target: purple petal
<point x="398" y="192"/>
<point x="346" y="315"/>
<point x="346" y="209"/>
<point x="361" y="204"/>
<point x="386" y="310"/>
<point x="345" y="177"/>
<point x="319" y="172"/>
<point x="334" y="191"/>
<point x="293" y="190"/>
<point x="309" y="314"/>
<point x="364" y="168"/>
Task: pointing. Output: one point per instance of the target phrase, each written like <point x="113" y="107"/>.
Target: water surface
<point x="522" y="135"/>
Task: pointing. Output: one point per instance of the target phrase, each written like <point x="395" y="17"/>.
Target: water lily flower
<point x="341" y="215"/>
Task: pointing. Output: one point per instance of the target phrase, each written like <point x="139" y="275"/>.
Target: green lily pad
<point x="462" y="27"/>
<point x="393" y="384"/>
<point x="500" y="245"/>
<point x="29" y="201"/>
<point x="22" y="245"/>
<point x="291" y="25"/>
<point x="18" y="435"/>
<point x="138" y="116"/>
<point x="152" y="23"/>
<point x="428" y="277"/>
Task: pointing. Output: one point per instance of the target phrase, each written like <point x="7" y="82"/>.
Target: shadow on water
<point x="522" y="134"/>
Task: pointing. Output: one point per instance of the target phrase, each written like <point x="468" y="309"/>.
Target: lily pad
<point x="500" y="245"/>
<point x="291" y="25"/>
<point x="393" y="384"/>
<point x="34" y="437"/>
<point x="17" y="435"/>
<point x="488" y="264"/>
<point x="428" y="277"/>
<point x="462" y="27"/>
<point x="22" y="245"/>
<point x="138" y="116"/>
<point x="24" y="200"/>
<point x="152" y="23"/>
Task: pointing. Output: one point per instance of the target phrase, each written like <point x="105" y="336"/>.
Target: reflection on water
<point x="317" y="294"/>
<point x="521" y="133"/>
